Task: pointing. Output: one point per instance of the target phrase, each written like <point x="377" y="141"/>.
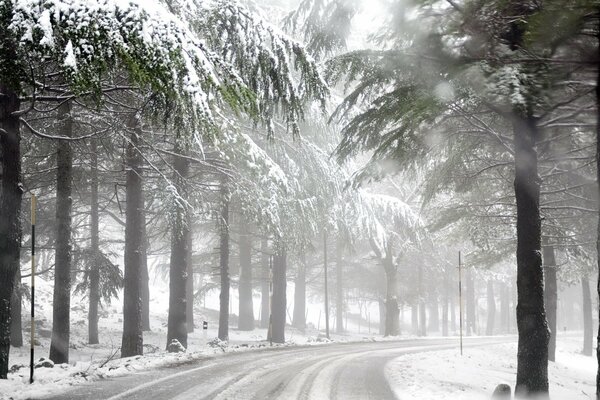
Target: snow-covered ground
<point x="90" y="362"/>
<point x="432" y="375"/>
<point x="446" y="375"/>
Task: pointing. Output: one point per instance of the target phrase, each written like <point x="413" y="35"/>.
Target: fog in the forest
<point x="351" y="199"/>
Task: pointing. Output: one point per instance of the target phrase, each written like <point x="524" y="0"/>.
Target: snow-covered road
<point x="336" y="371"/>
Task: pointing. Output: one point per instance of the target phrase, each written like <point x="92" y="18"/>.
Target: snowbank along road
<point x="338" y="371"/>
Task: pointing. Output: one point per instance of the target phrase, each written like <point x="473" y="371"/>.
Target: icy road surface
<point x="335" y="371"/>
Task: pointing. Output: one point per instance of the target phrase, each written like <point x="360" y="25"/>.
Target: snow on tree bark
<point x="133" y="339"/>
<point x="61" y="305"/>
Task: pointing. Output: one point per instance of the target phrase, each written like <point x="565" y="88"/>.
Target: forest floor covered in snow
<point x="445" y="374"/>
<point x="429" y="375"/>
<point x="92" y="362"/>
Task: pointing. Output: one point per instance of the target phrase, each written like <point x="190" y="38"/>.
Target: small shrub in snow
<point x="16" y="368"/>
<point x="218" y="343"/>
<point x="175" y="347"/>
<point x="44" y="363"/>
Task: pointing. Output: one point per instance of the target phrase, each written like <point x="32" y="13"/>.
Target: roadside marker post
<point x="32" y="338"/>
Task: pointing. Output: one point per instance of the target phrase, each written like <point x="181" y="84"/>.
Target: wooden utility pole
<point x="326" y="291"/>
<point x="460" y="312"/>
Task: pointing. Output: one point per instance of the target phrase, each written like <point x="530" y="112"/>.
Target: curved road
<point x="336" y="371"/>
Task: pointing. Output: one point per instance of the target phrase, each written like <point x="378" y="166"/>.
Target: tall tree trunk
<point x="16" y="328"/>
<point x="61" y="306"/>
<point x="414" y="317"/>
<point x="422" y="311"/>
<point x="10" y="213"/>
<point x="224" y="262"/>
<point x="588" y="335"/>
<point x="264" y="284"/>
<point x="299" y="319"/>
<point x="532" y="356"/>
<point x="550" y="297"/>
<point x="189" y="282"/>
<point x="491" y="309"/>
<point x="94" y="298"/>
<point x="434" y="314"/>
<point x="598" y="222"/>
<point x="452" y="314"/>
<point x="246" y="305"/>
<point x="471" y="306"/>
<point x="382" y="316"/>
<point x="145" y="276"/>
<point x="177" y="319"/>
<point x="133" y="340"/>
<point x="445" y="303"/>
<point x="279" y="295"/>
<point x="339" y="287"/>
<point x="504" y="309"/>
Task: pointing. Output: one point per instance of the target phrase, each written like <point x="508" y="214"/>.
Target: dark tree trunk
<point x="550" y="297"/>
<point x="504" y="309"/>
<point x="588" y="330"/>
<point x="145" y="288"/>
<point x="264" y="284"/>
<point x="491" y="309"/>
<point x="224" y="262"/>
<point x="16" y="328"/>
<point x="94" y="299"/>
<point x="598" y="222"/>
<point x="61" y="306"/>
<point x="10" y="213"/>
<point x="246" y="305"/>
<point x="299" y="319"/>
<point x="339" y="287"/>
<point x="133" y="339"/>
<point x="532" y="356"/>
<point x="189" y="283"/>
<point x="434" y="314"/>
<point x="279" y="295"/>
<point x="177" y="320"/>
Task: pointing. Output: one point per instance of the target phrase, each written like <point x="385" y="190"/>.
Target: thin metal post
<point x="460" y="312"/>
<point x="326" y="291"/>
<point x="32" y="338"/>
